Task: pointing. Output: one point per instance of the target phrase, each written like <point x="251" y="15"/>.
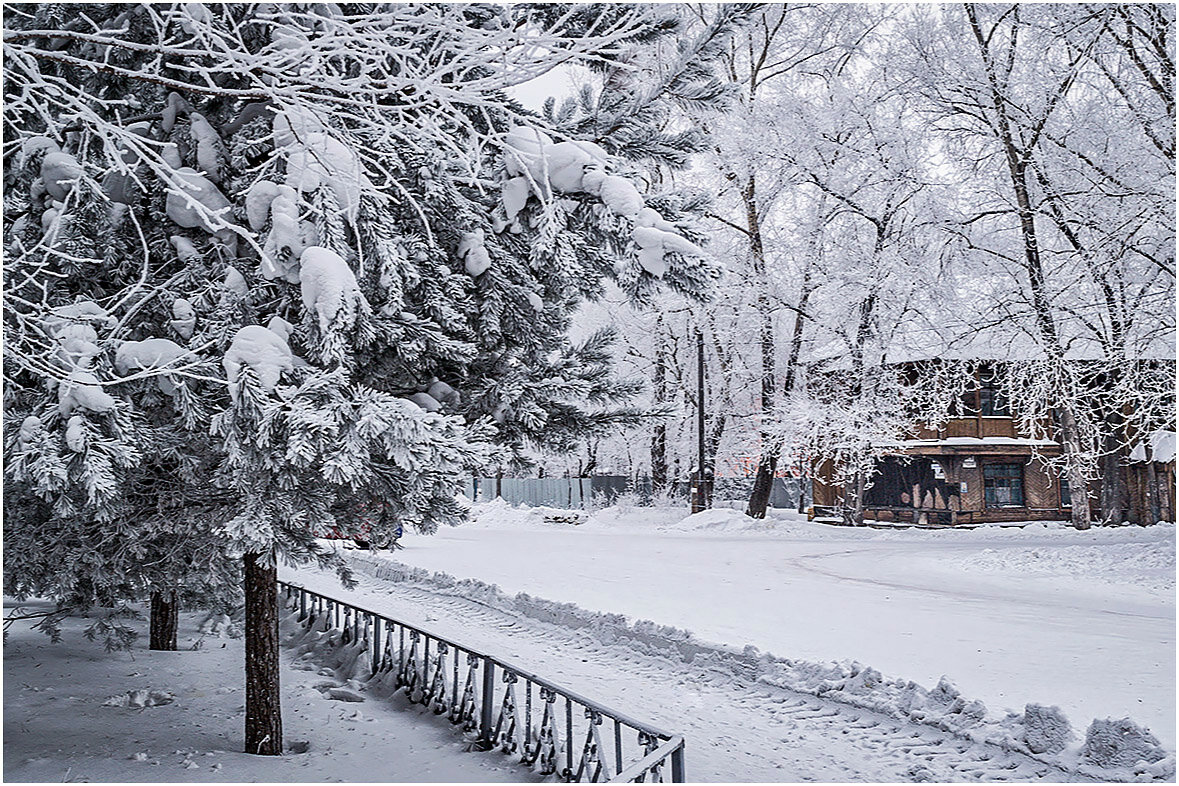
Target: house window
<point x="1003" y="485"/>
<point x="968" y="403"/>
<point x="1066" y="495"/>
<point x="992" y="402"/>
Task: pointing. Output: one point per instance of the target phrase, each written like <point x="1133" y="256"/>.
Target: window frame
<point x="993" y="402"/>
<point x="1018" y="476"/>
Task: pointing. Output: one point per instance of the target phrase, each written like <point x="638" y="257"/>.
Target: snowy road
<point x="738" y="730"/>
<point x="1085" y="621"/>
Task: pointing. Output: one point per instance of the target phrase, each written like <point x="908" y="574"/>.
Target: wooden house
<point x="979" y="468"/>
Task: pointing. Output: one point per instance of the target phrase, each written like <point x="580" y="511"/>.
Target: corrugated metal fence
<point x="581" y="493"/>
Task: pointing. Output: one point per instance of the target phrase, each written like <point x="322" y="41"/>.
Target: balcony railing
<point x="499" y="704"/>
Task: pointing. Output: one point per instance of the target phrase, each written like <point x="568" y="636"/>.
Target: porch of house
<point x="938" y="484"/>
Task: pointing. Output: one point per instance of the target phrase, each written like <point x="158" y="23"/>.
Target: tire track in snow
<point x="737" y="729"/>
<point x="807" y="563"/>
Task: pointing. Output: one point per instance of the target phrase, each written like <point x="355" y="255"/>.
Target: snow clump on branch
<point x="59" y="173"/>
<point x="72" y="327"/>
<point x="288" y="236"/>
<point x="75" y="434"/>
<point x="193" y="200"/>
<point x="473" y="252"/>
<point x="184" y="314"/>
<point x="535" y="164"/>
<point x="329" y="289"/>
<point x="260" y="349"/>
<point x="82" y="389"/>
<point x="317" y="158"/>
<point x="151" y="353"/>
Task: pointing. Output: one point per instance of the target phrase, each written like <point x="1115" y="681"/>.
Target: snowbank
<point x="1121" y="752"/>
<point x="82" y="715"/>
<point x="1150" y="565"/>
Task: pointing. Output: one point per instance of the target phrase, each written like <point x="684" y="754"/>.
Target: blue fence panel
<point x="581" y="493"/>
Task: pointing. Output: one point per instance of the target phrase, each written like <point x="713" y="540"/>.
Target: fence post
<point x="487" y="708"/>
<point x="376" y="645"/>
<point x="677" y="765"/>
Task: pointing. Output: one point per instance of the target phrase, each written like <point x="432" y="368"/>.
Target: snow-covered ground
<point x="1039" y="614"/>
<point x="862" y="625"/>
<point x="66" y="719"/>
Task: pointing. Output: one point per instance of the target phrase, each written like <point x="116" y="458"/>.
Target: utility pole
<point x="700" y="499"/>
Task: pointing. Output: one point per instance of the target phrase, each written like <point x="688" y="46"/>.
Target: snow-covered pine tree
<point x="100" y="474"/>
<point x="636" y="108"/>
<point x="374" y="233"/>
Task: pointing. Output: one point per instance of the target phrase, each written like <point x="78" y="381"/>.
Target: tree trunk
<point x="759" y="498"/>
<point x="763" y="485"/>
<point x="1078" y="486"/>
<point x="768" y="461"/>
<point x="712" y="444"/>
<point x="165" y="620"/>
<point x="659" y="435"/>
<point x="853" y="500"/>
<point x="263" y="701"/>
<point x="1018" y="153"/>
<point x="1115" y="489"/>
<point x="1153" y="502"/>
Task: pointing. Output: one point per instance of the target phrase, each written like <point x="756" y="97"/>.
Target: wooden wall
<point x="1041" y="488"/>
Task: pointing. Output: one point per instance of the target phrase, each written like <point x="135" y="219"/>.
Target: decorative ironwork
<point x="591" y="764"/>
<point x="548" y="741"/>
<point x="468" y="708"/>
<point x="429" y="670"/>
<point x="408" y="678"/>
<point x="436" y="693"/>
<point x="507" y="732"/>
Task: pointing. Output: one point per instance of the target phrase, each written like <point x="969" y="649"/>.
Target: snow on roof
<point x="949" y="338"/>
<point x="971" y="442"/>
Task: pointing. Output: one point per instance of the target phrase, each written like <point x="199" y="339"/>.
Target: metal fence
<point x="579" y="493"/>
<point x="544" y="725"/>
<point x="568" y="493"/>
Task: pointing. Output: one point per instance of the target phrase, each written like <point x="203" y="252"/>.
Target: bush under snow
<point x="1120" y="743"/>
<point x="1046" y="729"/>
